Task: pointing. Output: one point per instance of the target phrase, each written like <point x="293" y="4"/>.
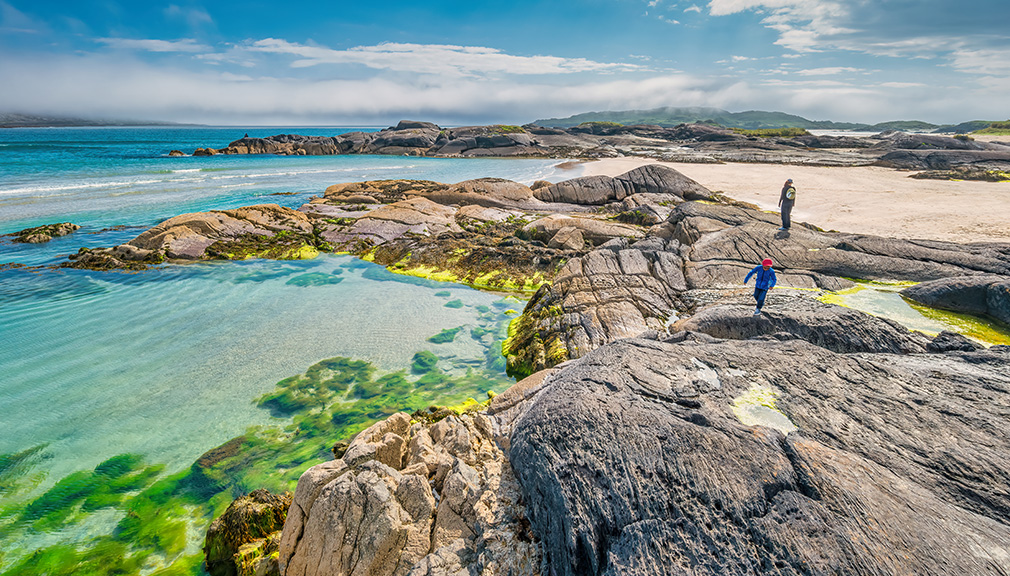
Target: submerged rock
<point x="41" y="234"/>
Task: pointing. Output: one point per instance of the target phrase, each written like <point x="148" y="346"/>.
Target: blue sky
<point x="459" y="62"/>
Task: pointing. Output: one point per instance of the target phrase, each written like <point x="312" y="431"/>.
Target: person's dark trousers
<point x="787" y="207"/>
<point x="759" y="295"/>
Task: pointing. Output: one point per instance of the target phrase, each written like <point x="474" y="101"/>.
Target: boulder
<point x="246" y="534"/>
<point x="424" y="499"/>
<point x="567" y="238"/>
<point x="987" y="295"/>
<point x="648" y="179"/>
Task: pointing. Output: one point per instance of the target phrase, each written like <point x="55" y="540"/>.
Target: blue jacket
<point x="765" y="278"/>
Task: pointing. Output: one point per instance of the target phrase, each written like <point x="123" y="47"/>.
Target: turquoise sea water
<point x="167" y="364"/>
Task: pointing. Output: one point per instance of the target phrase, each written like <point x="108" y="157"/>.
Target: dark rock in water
<point x="41" y="234"/>
<point x="633" y="461"/>
<point x="176" y="153"/>
<point x="983" y="294"/>
<point x="247" y="534"/>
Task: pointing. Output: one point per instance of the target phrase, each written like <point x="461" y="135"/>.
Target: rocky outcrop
<point x="700" y="256"/>
<point x="41" y="234"/>
<point x="634" y="460"/>
<point x="411" y="498"/>
<point x="983" y="295"/>
<point x="832" y="327"/>
<point x="244" y="540"/>
<point x="686" y="143"/>
<point x="264" y="231"/>
<point x="649" y="179"/>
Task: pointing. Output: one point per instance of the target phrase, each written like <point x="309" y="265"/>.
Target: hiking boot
<point x="757" y="311"/>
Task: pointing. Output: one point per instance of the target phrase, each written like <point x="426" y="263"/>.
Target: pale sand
<point x="865" y="200"/>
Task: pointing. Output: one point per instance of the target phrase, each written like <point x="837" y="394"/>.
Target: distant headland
<point x="14" y="120"/>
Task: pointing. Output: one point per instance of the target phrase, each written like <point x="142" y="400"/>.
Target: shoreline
<point x="859" y="200"/>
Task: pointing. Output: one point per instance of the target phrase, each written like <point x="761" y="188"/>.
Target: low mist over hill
<point x="750" y="120"/>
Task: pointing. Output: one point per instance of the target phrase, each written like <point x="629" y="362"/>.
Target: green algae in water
<point x="974" y="327"/>
<point x="454" y="304"/>
<point x="445" y="336"/>
<point x="314" y="279"/>
<point x="423" y="362"/>
<point x="443" y="294"/>
<point x="343" y="397"/>
<point x="756" y="407"/>
<point x="883" y="299"/>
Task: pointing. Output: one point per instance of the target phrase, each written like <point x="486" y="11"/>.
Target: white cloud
<point x="438" y="59"/>
<point x="151" y="45"/>
<point x="693" y="8"/>
<point x="983" y="61"/>
<point x="826" y="71"/>
<point x="117" y="85"/>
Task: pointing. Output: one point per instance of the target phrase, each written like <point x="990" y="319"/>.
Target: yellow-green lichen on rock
<point x="756" y="407"/>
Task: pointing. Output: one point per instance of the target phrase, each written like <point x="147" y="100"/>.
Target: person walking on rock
<point x="763" y="282"/>
<point x="786" y="201"/>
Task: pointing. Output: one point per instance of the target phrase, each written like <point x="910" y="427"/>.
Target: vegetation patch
<point x="772" y="132"/>
<point x="454" y="304"/>
<point x="284" y="245"/>
<point x="163" y="517"/>
<point x="315" y="279"/>
<point x="445" y="336"/>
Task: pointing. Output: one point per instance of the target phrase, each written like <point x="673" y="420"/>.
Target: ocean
<point x="113" y="384"/>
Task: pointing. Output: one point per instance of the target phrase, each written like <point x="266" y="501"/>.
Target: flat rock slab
<point x="632" y="461"/>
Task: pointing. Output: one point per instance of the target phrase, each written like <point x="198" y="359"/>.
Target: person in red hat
<point x="763" y="282"/>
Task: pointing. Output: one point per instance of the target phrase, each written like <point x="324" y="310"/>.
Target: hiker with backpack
<point x="786" y="201"/>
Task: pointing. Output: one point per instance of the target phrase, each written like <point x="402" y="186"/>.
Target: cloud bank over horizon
<point x="218" y="64"/>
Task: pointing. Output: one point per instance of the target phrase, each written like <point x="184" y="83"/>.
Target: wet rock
<point x="176" y="153"/>
<point x="632" y="460"/>
<point x="42" y="234"/>
<point x="246" y="534"/>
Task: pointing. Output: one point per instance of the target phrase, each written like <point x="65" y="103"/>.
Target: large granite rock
<point x="599" y="190"/>
<point x="416" y="499"/>
<point x="984" y="294"/>
<point x="634" y="461"/>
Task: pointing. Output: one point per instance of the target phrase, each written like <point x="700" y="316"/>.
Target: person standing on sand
<point x="786" y="201"/>
<point x="764" y="281"/>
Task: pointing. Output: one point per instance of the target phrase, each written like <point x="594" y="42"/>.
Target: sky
<point x="457" y="62"/>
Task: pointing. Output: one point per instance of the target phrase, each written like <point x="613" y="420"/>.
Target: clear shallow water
<point x="106" y="177"/>
<point x="168" y="363"/>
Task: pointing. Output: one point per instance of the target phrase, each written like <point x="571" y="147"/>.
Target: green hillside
<point x="670" y="116"/>
<point x="903" y="125"/>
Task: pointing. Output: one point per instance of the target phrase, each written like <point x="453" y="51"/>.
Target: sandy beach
<point x="868" y="200"/>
